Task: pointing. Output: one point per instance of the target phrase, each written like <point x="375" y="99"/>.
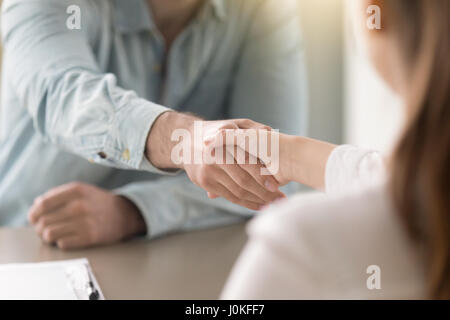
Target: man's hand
<point x="78" y="215"/>
<point x="240" y="184"/>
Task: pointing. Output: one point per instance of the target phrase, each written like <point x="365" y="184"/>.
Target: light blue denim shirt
<point x="77" y="104"/>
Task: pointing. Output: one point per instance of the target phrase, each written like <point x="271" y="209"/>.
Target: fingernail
<point x="271" y="186"/>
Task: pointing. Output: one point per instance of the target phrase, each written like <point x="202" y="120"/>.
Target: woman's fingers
<point x="250" y="124"/>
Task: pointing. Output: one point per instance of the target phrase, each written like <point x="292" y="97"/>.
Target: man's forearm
<point x="159" y="143"/>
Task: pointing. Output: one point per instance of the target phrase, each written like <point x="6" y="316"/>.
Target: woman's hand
<point x="291" y="158"/>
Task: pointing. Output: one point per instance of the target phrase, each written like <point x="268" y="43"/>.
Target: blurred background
<point x="347" y="98"/>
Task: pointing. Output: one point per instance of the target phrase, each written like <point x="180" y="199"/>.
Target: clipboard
<point x="56" y="280"/>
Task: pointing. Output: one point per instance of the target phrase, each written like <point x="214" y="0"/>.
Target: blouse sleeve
<point x="349" y="168"/>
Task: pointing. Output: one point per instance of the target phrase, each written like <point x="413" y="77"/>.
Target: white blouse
<point x="348" y="244"/>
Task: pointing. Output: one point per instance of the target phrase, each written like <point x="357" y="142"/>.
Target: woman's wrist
<point x="288" y="159"/>
<point x="303" y="160"/>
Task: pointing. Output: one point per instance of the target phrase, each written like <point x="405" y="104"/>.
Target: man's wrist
<point x="159" y="144"/>
<point x="132" y="222"/>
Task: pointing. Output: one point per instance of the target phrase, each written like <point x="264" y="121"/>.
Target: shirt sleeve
<point x="172" y="204"/>
<point x="349" y="168"/>
<point x="73" y="104"/>
<point x="270" y="84"/>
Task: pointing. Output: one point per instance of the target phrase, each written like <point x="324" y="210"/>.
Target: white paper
<point x="43" y="281"/>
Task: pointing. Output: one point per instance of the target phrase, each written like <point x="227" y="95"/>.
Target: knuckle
<point x="39" y="229"/>
<point x="48" y="235"/>
<point x="31" y="216"/>
<point x="205" y="176"/>
<point x="41" y="204"/>
<point x="62" y="244"/>
<point x="77" y="187"/>
<point x="78" y="207"/>
<point x="44" y="222"/>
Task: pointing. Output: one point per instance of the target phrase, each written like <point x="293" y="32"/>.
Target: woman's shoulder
<point x="307" y="210"/>
<point x="340" y="238"/>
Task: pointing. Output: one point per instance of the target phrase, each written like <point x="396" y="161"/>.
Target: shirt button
<point x="126" y="154"/>
<point x="102" y="155"/>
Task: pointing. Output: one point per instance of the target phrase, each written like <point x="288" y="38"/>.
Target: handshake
<point x="238" y="160"/>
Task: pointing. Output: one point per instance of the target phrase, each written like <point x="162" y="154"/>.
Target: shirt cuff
<point x="349" y="168"/>
<point x="126" y="142"/>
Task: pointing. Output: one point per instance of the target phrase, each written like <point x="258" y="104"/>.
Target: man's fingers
<point x="245" y="181"/>
<point x="72" y="242"/>
<point x="237" y="190"/>
<point x="53" y="199"/>
<point x="225" y="193"/>
<point x="53" y="233"/>
<point x="57" y="216"/>
<point x="212" y="195"/>
<point x="254" y="167"/>
<point x="267" y="182"/>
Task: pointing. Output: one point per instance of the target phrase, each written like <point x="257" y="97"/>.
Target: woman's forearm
<point x="304" y="160"/>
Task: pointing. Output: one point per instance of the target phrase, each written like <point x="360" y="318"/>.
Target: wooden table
<point x="191" y="265"/>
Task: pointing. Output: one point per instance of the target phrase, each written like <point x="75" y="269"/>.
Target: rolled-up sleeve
<point x="72" y="103"/>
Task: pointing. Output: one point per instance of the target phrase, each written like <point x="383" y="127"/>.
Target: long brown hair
<point x="421" y="162"/>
